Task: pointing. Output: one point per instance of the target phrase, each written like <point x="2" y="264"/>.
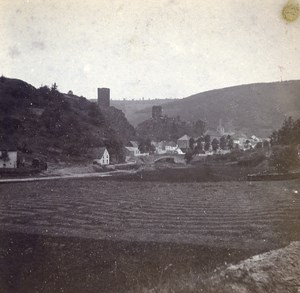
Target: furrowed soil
<point x="91" y="235"/>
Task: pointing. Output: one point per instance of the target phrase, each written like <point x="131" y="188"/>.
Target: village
<point x="150" y="146"/>
<point x="212" y="142"/>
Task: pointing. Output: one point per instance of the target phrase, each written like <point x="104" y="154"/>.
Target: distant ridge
<point x="252" y="108"/>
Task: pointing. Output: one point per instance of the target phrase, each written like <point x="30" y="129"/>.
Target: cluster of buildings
<point x="186" y="143"/>
<point x="9" y="154"/>
<point x="239" y="139"/>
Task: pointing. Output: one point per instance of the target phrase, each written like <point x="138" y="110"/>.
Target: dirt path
<point x="66" y="176"/>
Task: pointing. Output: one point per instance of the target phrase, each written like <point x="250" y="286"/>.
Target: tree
<point x="259" y="145"/>
<point x="284" y="159"/>
<point x="206" y="142"/>
<point x="4" y="156"/>
<point x="266" y="144"/>
<point x="188" y="156"/>
<point x="10" y="125"/>
<point x="247" y="144"/>
<point x="223" y="143"/>
<point x="95" y="115"/>
<point x="215" y="144"/>
<point x="149" y="145"/>
<point x="287" y="134"/>
<point x="274" y="138"/>
<point x="199" y="127"/>
<point x="199" y="148"/>
<point x="230" y="143"/>
<point x="146" y="147"/>
<point x="115" y="149"/>
<point x="191" y="143"/>
<point x="54" y="87"/>
<point x="174" y="131"/>
<point x="44" y="90"/>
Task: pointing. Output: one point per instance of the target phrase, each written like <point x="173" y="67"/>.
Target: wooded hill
<point x="48" y="123"/>
<point x="134" y="109"/>
<point x="253" y="108"/>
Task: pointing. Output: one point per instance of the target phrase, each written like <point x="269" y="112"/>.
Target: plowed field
<point x="91" y="235"/>
<point x="233" y="214"/>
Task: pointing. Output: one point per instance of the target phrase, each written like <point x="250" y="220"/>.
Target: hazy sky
<point x="151" y="49"/>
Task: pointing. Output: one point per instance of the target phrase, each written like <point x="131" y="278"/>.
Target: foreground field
<point x="231" y="214"/>
<point x="127" y="233"/>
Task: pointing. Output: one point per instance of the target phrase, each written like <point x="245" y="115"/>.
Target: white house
<point x="159" y="148"/>
<point x="132" y="151"/>
<point x="170" y="146"/>
<point x="179" y="151"/>
<point x="101" y="156"/>
<point x="184" y="143"/>
<point x="8" y="156"/>
<point x="134" y="144"/>
<point x="239" y="140"/>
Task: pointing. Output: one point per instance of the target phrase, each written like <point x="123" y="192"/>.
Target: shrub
<point x="4" y="156"/>
<point x="251" y="158"/>
<point x="283" y="159"/>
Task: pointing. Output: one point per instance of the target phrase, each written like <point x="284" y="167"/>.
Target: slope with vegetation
<point x="168" y="128"/>
<point x="50" y="124"/>
<point x="131" y="108"/>
<point x="253" y="108"/>
<point x="286" y="146"/>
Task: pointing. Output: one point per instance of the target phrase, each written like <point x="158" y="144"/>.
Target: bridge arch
<point x="168" y="159"/>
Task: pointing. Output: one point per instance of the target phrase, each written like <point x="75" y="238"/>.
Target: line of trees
<point x="286" y="145"/>
<point x="288" y="134"/>
<point x="204" y="143"/>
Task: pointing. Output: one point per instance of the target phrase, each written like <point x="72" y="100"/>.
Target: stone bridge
<point x="176" y="158"/>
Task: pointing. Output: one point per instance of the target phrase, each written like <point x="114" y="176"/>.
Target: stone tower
<point x="156" y="112"/>
<point x="103" y="97"/>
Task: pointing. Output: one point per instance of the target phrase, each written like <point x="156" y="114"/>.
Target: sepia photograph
<point x="149" y="146"/>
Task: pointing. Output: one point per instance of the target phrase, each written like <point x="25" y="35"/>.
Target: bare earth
<point x="127" y="235"/>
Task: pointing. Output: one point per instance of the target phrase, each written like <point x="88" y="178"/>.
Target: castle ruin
<point x="156" y="112"/>
<point x="103" y="97"/>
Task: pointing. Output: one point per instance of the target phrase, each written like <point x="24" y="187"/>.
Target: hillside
<point x="47" y="123"/>
<point x="169" y="128"/>
<point x="253" y="108"/>
<point x="134" y="108"/>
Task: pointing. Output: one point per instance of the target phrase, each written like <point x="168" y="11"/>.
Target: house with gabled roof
<point x="169" y="146"/>
<point x="184" y="143"/>
<point x="8" y="156"/>
<point x="132" y="151"/>
<point x="133" y="143"/>
<point x="101" y="156"/>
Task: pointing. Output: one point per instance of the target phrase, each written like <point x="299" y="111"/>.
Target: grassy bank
<point x="37" y="263"/>
<point x="191" y="173"/>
